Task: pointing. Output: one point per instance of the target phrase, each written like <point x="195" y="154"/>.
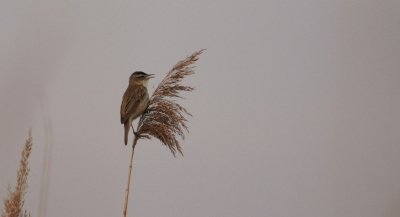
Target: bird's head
<point x="140" y="78"/>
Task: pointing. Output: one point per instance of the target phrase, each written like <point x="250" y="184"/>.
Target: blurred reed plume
<point x="14" y="202"/>
<point x="163" y="118"/>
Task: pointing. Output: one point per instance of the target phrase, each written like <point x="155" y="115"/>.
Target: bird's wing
<point x="130" y="100"/>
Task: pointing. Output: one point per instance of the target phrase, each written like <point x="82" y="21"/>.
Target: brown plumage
<point x="134" y="100"/>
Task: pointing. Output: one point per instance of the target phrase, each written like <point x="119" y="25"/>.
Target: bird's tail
<point x="127" y="125"/>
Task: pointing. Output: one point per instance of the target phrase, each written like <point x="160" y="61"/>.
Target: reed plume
<point x="14" y="202"/>
<point x="164" y="118"/>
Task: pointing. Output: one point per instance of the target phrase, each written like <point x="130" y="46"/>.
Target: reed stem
<point x="129" y="177"/>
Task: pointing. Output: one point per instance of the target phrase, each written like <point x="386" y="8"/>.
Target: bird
<point x="134" y="100"/>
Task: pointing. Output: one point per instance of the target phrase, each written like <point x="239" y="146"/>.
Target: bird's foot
<point x="137" y="135"/>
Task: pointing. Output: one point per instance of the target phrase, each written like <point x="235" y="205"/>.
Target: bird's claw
<point x="137" y="134"/>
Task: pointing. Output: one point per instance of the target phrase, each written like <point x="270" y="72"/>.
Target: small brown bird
<point x="135" y="100"/>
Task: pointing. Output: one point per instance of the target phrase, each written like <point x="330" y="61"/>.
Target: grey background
<point x="295" y="112"/>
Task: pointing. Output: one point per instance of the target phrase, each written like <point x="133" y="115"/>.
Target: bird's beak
<point x="150" y="76"/>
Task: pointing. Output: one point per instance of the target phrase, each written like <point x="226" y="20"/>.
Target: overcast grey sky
<point x="295" y="112"/>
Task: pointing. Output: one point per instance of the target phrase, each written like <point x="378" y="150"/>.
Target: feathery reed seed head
<point x="163" y="119"/>
<point x="14" y="202"/>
